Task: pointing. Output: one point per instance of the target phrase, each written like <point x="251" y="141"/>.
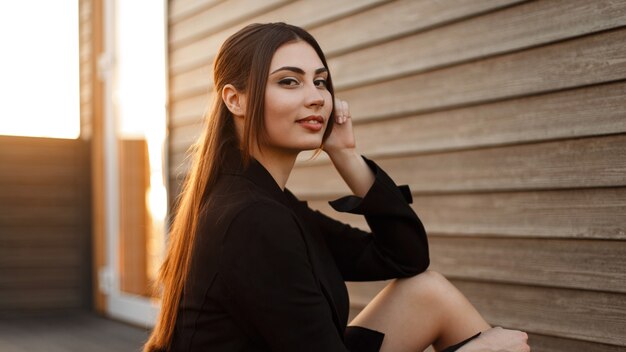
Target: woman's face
<point x="297" y="102"/>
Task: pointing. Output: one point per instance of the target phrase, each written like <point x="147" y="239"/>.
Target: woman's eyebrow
<point x="299" y="70"/>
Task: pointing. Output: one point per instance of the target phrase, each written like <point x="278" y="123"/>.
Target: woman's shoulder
<point x="234" y="194"/>
<point x="262" y="215"/>
<point x="236" y="200"/>
<point x="263" y="226"/>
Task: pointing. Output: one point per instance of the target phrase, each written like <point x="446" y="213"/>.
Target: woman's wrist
<point x="353" y="169"/>
<point x="342" y="155"/>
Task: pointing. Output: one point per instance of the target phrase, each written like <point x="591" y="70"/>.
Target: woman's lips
<point x="312" y="123"/>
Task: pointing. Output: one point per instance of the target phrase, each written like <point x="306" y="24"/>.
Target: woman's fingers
<point x="342" y="136"/>
<point x="338" y="111"/>
<point x="342" y="111"/>
<point x="346" y="111"/>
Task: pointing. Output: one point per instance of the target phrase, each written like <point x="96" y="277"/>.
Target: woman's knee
<point x="427" y="278"/>
<point x="429" y="284"/>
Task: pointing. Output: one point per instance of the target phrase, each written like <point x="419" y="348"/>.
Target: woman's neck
<point x="278" y="163"/>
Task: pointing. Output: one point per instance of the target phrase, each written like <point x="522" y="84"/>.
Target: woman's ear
<point x="234" y="100"/>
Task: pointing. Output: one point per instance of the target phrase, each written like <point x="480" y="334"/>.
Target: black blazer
<point x="268" y="272"/>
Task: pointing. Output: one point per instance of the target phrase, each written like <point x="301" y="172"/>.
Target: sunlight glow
<point x="39" y="69"/>
<point x="140" y="96"/>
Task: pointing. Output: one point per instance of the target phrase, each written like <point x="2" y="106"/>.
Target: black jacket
<point x="268" y="272"/>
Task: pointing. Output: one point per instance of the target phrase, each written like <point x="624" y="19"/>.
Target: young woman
<point x="252" y="268"/>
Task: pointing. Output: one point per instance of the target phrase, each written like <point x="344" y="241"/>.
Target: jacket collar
<point x="254" y="172"/>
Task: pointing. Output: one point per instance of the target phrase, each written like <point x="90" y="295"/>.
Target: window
<point x="39" y="67"/>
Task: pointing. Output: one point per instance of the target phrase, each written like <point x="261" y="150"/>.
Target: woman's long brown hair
<point x="243" y="61"/>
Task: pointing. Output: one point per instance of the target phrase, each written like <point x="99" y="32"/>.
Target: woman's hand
<point x="342" y="137"/>
<point x="498" y="340"/>
<point x="341" y="148"/>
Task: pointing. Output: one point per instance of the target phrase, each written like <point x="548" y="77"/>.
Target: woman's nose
<point x="314" y="96"/>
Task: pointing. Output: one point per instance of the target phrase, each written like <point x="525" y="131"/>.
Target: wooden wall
<point x="87" y="61"/>
<point x="92" y="128"/>
<point x="508" y="120"/>
<point x="44" y="224"/>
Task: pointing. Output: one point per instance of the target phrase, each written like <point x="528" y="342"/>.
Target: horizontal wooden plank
<point x="41" y="174"/>
<point x="592" y="265"/>
<point x="583" y="315"/>
<point x="396" y="19"/>
<point x="594" y="110"/>
<point x="46" y="154"/>
<point x="578" y="62"/>
<point x="194" y="82"/>
<point x="556" y="344"/>
<point x="67" y="257"/>
<point x="31" y="300"/>
<point x="60" y="193"/>
<point x="183" y="137"/>
<point x="589" y="111"/>
<point x="41" y="278"/>
<point x="189" y="111"/>
<point x="587" y="162"/>
<point x="595" y="213"/>
<point x="302" y="13"/>
<point x="545" y="343"/>
<point x="34" y="169"/>
<point x="180" y="9"/>
<point x="214" y="18"/>
<point x="50" y="215"/>
<point x="38" y="235"/>
<point x="20" y="158"/>
<point x="518" y="27"/>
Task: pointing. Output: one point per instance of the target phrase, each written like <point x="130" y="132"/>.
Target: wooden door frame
<point x="108" y="297"/>
<point x="97" y="154"/>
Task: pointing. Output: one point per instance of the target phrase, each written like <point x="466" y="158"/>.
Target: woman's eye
<point x="290" y="82"/>
<point x="321" y="83"/>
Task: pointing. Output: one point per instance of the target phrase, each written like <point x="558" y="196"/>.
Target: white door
<point x="134" y="73"/>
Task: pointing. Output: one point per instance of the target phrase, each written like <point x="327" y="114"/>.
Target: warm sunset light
<point x="39" y="68"/>
<point x="140" y="91"/>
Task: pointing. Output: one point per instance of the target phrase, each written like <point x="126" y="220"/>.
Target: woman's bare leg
<point x="419" y="311"/>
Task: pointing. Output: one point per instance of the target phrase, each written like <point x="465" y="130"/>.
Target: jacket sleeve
<point x="397" y="245"/>
<point x="273" y="292"/>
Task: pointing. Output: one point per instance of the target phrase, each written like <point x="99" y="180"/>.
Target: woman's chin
<point x="309" y="145"/>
